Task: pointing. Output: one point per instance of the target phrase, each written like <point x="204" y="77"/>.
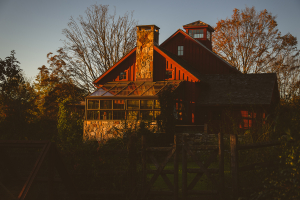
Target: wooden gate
<point x="214" y="175"/>
<point x="159" y="171"/>
<point x="188" y="150"/>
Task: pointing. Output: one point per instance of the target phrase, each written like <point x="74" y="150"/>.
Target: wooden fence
<point x="235" y="147"/>
<point x="158" y="158"/>
<point x="47" y="152"/>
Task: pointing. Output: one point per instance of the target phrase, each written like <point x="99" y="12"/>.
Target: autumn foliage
<point x="252" y="43"/>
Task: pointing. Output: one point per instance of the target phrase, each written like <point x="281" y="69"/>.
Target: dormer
<point x="201" y="32"/>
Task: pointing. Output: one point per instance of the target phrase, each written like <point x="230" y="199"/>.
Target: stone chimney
<point x="147" y="37"/>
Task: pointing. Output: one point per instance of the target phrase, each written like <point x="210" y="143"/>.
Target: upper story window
<point x="208" y="35"/>
<point x="180" y="50"/>
<point x="123" y="75"/>
<point x="169" y="74"/>
<point x="196" y="33"/>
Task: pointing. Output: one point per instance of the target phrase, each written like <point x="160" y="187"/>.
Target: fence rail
<point x="235" y="169"/>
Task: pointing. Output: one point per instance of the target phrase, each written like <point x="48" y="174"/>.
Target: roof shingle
<point x="237" y="89"/>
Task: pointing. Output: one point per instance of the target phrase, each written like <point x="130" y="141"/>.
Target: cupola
<point x="201" y="32"/>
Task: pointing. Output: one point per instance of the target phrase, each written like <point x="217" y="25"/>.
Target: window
<point x="105" y="104"/>
<point x="123" y="76"/>
<point x="119" y="104"/>
<point x="105" y="114"/>
<point x="248" y="119"/>
<point x="156" y="104"/>
<point x="208" y="35"/>
<point x="180" y="50"/>
<point x="169" y="74"/>
<point x="121" y="109"/>
<point x="196" y="33"/>
<point x="179" y="111"/>
<point x="93" y="115"/>
<point x="146" y="104"/>
<point x="93" y="104"/>
<point x="132" y="104"/>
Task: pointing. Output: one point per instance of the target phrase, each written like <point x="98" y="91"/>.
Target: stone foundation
<point x="100" y="130"/>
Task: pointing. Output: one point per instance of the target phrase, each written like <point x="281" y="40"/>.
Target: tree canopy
<point x="251" y="42"/>
<point x="16" y="98"/>
<point x="94" y="43"/>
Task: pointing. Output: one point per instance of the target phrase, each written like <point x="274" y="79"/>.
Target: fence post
<point x="132" y="161"/>
<point x="205" y="128"/>
<point x="175" y="168"/>
<point x="234" y="165"/>
<point x="184" y="167"/>
<point x="221" y="162"/>
<point x="51" y="173"/>
<point x="144" y="163"/>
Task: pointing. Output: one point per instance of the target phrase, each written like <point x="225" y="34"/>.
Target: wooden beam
<point x="176" y="168"/>
<point x="184" y="167"/>
<point x="34" y="172"/>
<point x="155" y="176"/>
<point x="164" y="176"/>
<point x="221" y="163"/>
<point x="258" y="145"/>
<point x="234" y="165"/>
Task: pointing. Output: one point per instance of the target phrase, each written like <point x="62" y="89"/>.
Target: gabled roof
<point x="179" y="61"/>
<point x="198" y="24"/>
<point x="160" y="50"/>
<point x="114" y="66"/>
<point x="237" y="89"/>
<point x="199" y="43"/>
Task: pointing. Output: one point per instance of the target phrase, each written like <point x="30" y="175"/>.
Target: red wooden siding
<point x="198" y="56"/>
<point x="127" y="65"/>
<point x="163" y="63"/>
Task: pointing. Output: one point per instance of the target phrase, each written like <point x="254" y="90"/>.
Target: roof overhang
<point x="114" y="66"/>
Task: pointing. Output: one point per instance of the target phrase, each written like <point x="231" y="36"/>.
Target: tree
<point x="17" y="98"/>
<point x="251" y="42"/>
<point x="10" y="73"/>
<point x="94" y="43"/>
<point x="288" y="76"/>
<point x="52" y="89"/>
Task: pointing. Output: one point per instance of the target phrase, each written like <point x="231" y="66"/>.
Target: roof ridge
<point x="195" y="23"/>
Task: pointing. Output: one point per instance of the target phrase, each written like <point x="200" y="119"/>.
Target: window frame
<point x="248" y="119"/>
<point x="180" y="50"/>
<point x="155" y="109"/>
<point x="121" y="78"/>
<point x="172" y="76"/>
<point x="208" y="33"/>
<point x="193" y="33"/>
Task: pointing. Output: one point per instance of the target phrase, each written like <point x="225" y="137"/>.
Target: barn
<point x="208" y="86"/>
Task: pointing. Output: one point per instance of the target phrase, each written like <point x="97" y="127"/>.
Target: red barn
<point x="209" y="86"/>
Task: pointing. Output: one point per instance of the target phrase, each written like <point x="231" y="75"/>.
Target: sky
<point x="33" y="28"/>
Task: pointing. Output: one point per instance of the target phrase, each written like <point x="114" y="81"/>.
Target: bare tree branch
<point x="94" y="43"/>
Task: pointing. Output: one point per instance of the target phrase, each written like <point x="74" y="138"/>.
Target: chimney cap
<point x="147" y="26"/>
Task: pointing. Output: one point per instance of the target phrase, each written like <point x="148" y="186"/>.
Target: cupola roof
<point x="198" y="24"/>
